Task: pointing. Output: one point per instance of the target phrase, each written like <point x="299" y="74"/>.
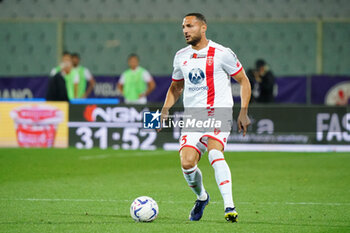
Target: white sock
<point x="193" y="177"/>
<point x="222" y="176"/>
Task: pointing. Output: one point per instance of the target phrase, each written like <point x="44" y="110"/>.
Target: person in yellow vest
<point x="69" y="74"/>
<point x="136" y="83"/>
<point x="85" y="77"/>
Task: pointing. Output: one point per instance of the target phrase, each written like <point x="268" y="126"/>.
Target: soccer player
<point x="202" y="71"/>
<point x="85" y="77"/>
<point x="136" y="83"/>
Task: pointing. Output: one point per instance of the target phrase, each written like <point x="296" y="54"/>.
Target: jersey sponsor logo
<point x="185" y="63"/>
<point x="198" y="56"/>
<point x="196" y="76"/>
<point x="202" y="88"/>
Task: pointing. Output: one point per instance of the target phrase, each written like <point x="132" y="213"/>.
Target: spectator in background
<point x="136" y="83"/>
<point x="251" y="77"/>
<point x="264" y="82"/>
<point x="85" y="77"/>
<point x="63" y="81"/>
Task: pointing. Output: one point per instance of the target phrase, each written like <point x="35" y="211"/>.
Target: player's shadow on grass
<point x="126" y="216"/>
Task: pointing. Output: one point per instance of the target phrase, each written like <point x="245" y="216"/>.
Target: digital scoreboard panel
<point x="122" y="127"/>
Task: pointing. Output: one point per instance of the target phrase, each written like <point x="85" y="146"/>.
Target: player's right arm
<point x="174" y="91"/>
<point x="173" y="94"/>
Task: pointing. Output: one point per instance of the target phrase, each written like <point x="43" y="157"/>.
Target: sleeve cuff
<point x="236" y="72"/>
<point x="176" y="80"/>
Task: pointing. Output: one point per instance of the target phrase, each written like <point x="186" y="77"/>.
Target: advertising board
<point x="33" y="124"/>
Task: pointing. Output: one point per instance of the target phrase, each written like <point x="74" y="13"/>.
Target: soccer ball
<point x="144" y="209"/>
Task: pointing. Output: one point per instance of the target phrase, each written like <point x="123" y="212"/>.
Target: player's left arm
<point x="243" y="119"/>
<point x="91" y="81"/>
<point x="151" y="84"/>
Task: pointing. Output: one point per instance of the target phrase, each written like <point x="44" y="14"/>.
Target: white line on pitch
<point x="88" y="157"/>
<point x="315" y="203"/>
<point x="174" y="202"/>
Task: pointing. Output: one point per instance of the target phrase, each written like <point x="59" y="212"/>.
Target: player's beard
<point x="195" y="40"/>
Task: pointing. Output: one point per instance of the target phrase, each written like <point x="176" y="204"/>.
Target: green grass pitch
<point x="69" y="190"/>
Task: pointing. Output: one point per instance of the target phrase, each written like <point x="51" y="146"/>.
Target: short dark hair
<point x="65" y="53"/>
<point x="133" y="55"/>
<point x="259" y="63"/>
<point x="198" y="16"/>
<point x="76" y="55"/>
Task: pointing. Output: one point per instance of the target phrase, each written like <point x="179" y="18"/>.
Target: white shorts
<point x="199" y="140"/>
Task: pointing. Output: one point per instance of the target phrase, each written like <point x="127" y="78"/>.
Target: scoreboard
<point x="103" y="126"/>
<point x="121" y="127"/>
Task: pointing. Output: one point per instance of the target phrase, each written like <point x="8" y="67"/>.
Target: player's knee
<point x="187" y="163"/>
<point x="189" y="158"/>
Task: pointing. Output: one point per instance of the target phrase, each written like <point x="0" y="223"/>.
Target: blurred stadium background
<point x="300" y="37"/>
<point x="306" y="44"/>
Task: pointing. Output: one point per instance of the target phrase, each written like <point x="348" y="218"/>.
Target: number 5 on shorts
<point x="183" y="140"/>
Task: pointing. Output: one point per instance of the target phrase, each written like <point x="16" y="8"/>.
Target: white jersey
<point x="206" y="74"/>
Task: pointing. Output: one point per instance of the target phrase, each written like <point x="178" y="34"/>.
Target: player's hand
<point x="243" y="121"/>
<point x="164" y="116"/>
